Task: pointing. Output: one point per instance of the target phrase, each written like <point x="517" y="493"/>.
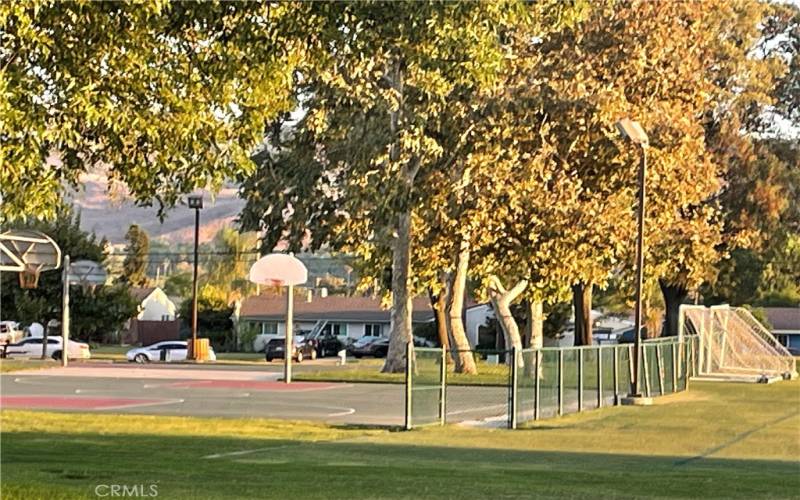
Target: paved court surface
<point x="175" y="390"/>
<point x="217" y="391"/>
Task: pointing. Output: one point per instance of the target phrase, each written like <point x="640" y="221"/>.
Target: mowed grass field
<point x="716" y="441"/>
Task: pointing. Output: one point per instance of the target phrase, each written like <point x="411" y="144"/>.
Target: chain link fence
<point x="537" y="384"/>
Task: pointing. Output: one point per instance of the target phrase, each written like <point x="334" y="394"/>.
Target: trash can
<point x="200" y="348"/>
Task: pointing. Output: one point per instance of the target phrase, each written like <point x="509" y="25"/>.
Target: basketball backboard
<point x="26" y="249"/>
<point x="86" y="273"/>
<point x="278" y="269"/>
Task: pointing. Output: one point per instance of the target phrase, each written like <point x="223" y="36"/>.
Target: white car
<point x="168" y="350"/>
<point x="32" y="347"/>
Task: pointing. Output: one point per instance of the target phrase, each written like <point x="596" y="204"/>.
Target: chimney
<point x="323" y="292"/>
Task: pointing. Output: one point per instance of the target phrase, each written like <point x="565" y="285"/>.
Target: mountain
<point x="110" y="213"/>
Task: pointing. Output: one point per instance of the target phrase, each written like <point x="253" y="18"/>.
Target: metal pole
<point x="443" y="390"/>
<point x="65" y="313"/>
<point x="512" y="421"/>
<point x="637" y="326"/>
<point x="599" y="377"/>
<point x="192" y="350"/>
<point x="409" y="387"/>
<point x="288" y="350"/>
<point x="560" y="382"/>
<point x="580" y="379"/>
<point x="537" y="390"/>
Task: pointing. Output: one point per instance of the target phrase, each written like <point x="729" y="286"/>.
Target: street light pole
<point x="195" y="202"/>
<point x="634" y="132"/>
<point x="637" y="321"/>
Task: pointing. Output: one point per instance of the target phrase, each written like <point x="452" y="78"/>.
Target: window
<point x="372" y="329"/>
<point x="269" y="328"/>
<point x="166" y="317"/>
<point x="783" y="339"/>
<point x="336" y="329"/>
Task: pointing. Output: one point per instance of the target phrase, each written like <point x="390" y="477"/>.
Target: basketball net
<point x="29" y="277"/>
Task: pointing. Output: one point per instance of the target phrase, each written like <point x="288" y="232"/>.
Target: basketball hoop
<point x="29" y="277"/>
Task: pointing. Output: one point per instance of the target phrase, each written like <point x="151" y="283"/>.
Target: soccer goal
<point x="733" y="345"/>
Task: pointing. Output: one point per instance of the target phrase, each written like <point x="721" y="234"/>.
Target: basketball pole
<point x="288" y="349"/>
<point x="65" y="313"/>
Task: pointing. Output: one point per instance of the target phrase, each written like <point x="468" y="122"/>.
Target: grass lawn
<point x="11" y="365"/>
<point x="369" y="370"/>
<point x="717" y="441"/>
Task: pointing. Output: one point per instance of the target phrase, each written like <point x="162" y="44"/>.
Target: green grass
<point x="12" y="365"/>
<point x="116" y="353"/>
<point x="716" y="441"/>
<point x="368" y="370"/>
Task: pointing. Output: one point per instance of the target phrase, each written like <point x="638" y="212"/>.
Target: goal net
<point x="734" y="343"/>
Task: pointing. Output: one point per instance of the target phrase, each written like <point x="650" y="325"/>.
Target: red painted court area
<point x="254" y="385"/>
<point x="75" y="402"/>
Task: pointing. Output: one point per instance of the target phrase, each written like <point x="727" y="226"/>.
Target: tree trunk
<point x="439" y="305"/>
<point x="674" y="296"/>
<point x="465" y="362"/>
<point x="527" y="328"/>
<point x="582" y="305"/>
<point x="401" y="298"/>
<point x="501" y="301"/>
<point x="44" y="341"/>
<point x="536" y="315"/>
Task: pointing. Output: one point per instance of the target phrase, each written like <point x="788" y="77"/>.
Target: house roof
<point x="783" y="318"/>
<point x="332" y="308"/>
<point x="141" y="293"/>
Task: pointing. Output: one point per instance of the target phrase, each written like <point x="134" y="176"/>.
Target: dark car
<point x="328" y="344"/>
<point x="376" y="347"/>
<point x="794" y="351"/>
<point x="301" y="349"/>
<point x="627" y="336"/>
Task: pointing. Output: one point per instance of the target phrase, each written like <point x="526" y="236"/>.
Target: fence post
<point x="408" y="422"/>
<point x="580" y="379"/>
<point x="688" y="364"/>
<point x="512" y="417"/>
<point x="536" y="373"/>
<point x="443" y="390"/>
<point x="599" y="377"/>
<point x="646" y="369"/>
<point x="560" y="382"/>
<point x="676" y="367"/>
<point x="616" y="374"/>
<point x="660" y="369"/>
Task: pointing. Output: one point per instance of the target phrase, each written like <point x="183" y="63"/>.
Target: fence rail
<point x="543" y="383"/>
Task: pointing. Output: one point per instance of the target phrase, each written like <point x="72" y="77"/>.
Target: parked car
<point x="10" y="332"/>
<point x="167" y="350"/>
<point x="327" y="343"/>
<point x="32" y="347"/>
<point x="423" y="342"/>
<point x="794" y="351"/>
<point x="302" y="348"/>
<point x="377" y="347"/>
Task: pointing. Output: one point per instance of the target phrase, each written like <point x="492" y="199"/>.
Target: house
<point x="154" y="305"/>
<point x="350" y="317"/>
<point x="785" y="323"/>
<point x="157" y="319"/>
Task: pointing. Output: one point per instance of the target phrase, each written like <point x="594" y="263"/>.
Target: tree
<point x="94" y="313"/>
<point x="214" y="316"/>
<point x="370" y="137"/>
<point x="167" y="96"/>
<point x="136" y="259"/>
<point x="228" y="266"/>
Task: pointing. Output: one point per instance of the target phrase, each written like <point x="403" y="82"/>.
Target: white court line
<point x="29" y="382"/>
<point x="247" y="452"/>
<point x="473" y="410"/>
<point x="349" y="411"/>
<point x="140" y="405"/>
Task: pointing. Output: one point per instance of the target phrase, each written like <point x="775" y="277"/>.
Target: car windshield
<point x="365" y="340"/>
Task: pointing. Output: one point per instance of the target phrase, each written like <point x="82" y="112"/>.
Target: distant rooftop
<point x="783" y="318"/>
<point x="332" y="308"/>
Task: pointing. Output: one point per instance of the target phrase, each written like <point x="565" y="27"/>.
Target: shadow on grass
<point x="43" y="465"/>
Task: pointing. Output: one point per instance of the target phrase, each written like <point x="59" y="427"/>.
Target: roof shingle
<point x="340" y="308"/>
